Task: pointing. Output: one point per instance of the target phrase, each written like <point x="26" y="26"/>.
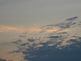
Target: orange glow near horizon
<point x="4" y="28"/>
<point x="53" y="30"/>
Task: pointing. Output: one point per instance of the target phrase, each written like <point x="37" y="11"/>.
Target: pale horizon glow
<point x="8" y="28"/>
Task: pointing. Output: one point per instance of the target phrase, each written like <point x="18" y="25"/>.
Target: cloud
<point x="9" y="28"/>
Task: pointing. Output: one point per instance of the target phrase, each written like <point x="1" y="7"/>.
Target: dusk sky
<point x="37" y="12"/>
<point x="18" y="16"/>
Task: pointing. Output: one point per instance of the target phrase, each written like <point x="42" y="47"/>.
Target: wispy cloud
<point x="10" y="28"/>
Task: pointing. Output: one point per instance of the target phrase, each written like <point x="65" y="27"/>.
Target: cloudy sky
<point x="18" y="16"/>
<point x="39" y="12"/>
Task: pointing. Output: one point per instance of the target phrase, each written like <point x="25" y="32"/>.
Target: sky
<point x="39" y="12"/>
<point x="17" y="16"/>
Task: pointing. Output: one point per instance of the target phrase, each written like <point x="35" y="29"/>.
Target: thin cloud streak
<point x="9" y="28"/>
<point x="4" y="28"/>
